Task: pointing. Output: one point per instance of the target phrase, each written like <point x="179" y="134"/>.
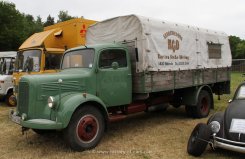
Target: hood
<point x="64" y="75"/>
<point x="34" y="90"/>
<point x="235" y="110"/>
<point x="68" y="81"/>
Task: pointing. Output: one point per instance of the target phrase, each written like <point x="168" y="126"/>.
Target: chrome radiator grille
<point x="23" y="97"/>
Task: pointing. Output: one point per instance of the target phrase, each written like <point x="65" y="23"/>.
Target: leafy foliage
<point x="237" y="47"/>
<point x="64" y="16"/>
<point x="16" y="27"/>
<point x="49" y="21"/>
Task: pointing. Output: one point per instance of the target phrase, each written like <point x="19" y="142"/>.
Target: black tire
<point x="189" y="111"/>
<point x="176" y="105"/>
<point x="198" y="140"/>
<point x="177" y="101"/>
<point x="43" y="132"/>
<point x="85" y="128"/>
<point x="157" y="108"/>
<point x="219" y="116"/>
<point x="10" y="99"/>
<point x="204" y="104"/>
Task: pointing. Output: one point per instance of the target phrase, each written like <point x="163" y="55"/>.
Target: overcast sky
<point x="221" y="15"/>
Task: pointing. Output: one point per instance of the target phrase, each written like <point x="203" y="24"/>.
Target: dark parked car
<point x="223" y="130"/>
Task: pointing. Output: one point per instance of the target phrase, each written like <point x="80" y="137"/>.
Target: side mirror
<point x="230" y="101"/>
<point x="115" y="65"/>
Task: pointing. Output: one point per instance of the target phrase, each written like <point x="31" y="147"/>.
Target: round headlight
<point x="50" y="102"/>
<point x="215" y="126"/>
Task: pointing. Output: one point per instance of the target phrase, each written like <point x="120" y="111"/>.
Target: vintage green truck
<point x="129" y="64"/>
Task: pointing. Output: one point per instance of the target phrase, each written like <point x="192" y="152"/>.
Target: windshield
<point x="241" y="93"/>
<point x="28" y="60"/>
<point x="78" y="59"/>
<point x="7" y="65"/>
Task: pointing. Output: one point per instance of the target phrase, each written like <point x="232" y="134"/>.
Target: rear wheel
<point x="177" y="101"/>
<point x="202" y="109"/>
<point x="85" y="129"/>
<point x="198" y="140"/>
<point x="189" y="110"/>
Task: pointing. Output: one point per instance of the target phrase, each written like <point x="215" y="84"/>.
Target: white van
<point x="7" y="60"/>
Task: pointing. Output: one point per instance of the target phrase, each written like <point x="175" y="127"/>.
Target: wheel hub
<point x="194" y="137"/>
<point x="204" y="106"/>
<point x="87" y="128"/>
<point x="12" y="100"/>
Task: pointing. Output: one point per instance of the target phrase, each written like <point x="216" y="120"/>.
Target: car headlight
<point x="51" y="102"/>
<point x="215" y="126"/>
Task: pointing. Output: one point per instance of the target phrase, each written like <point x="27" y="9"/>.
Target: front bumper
<point x="44" y="124"/>
<point x="228" y="144"/>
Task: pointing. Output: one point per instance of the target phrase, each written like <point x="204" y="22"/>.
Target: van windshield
<point x="28" y="60"/>
<point x="78" y="59"/>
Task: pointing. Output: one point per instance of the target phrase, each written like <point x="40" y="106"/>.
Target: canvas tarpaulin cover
<point x="164" y="46"/>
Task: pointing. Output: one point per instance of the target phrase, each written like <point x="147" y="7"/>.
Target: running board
<point x="116" y="117"/>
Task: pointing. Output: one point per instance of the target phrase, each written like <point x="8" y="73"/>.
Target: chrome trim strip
<point x="228" y="145"/>
<point x="229" y="141"/>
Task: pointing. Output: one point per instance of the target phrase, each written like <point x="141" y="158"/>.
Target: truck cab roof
<point x="98" y="46"/>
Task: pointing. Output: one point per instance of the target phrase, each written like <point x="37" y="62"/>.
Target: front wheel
<point x="10" y="99"/>
<point x="85" y="129"/>
<point x="198" y="140"/>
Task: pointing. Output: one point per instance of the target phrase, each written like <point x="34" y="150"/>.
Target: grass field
<point x="162" y="134"/>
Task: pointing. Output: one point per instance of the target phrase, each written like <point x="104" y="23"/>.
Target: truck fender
<point x="190" y="97"/>
<point x="69" y="104"/>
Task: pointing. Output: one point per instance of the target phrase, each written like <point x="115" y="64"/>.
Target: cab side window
<point x="52" y="61"/>
<point x="107" y="57"/>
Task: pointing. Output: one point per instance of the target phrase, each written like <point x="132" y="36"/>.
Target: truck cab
<point x="41" y="53"/>
<point x="37" y="61"/>
<point x="92" y="80"/>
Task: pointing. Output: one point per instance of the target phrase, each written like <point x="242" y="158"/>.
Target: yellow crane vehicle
<point x="42" y="52"/>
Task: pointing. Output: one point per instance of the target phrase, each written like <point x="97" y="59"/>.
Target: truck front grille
<point x="23" y="97"/>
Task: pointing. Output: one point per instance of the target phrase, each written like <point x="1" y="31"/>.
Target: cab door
<point x="114" y="79"/>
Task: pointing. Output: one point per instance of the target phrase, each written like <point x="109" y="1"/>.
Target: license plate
<point x="237" y="126"/>
<point x="15" y="119"/>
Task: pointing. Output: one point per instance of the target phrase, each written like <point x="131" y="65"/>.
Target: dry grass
<point x="144" y="136"/>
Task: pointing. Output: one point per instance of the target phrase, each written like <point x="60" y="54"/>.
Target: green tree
<point x="39" y="21"/>
<point x="31" y="25"/>
<point x="63" y="16"/>
<point x="234" y="41"/>
<point x="49" y="21"/>
<point x="11" y="27"/>
<point x="237" y="46"/>
<point x="15" y="27"/>
<point x="39" y="24"/>
<point x="240" y="50"/>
